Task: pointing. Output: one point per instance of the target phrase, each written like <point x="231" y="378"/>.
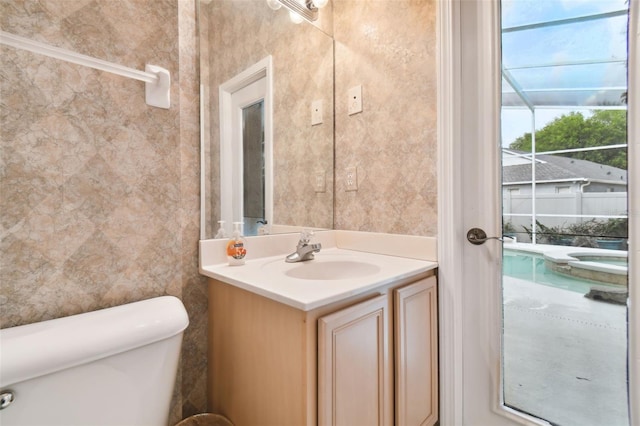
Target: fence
<point x="560" y="210"/>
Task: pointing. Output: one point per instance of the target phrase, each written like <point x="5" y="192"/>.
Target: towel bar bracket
<point x="157" y="80"/>
<point x="158" y="94"/>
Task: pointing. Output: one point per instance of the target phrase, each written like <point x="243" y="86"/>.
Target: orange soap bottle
<point x="236" y="247"/>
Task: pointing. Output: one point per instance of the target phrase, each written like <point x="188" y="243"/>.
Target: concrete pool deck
<point x="565" y="356"/>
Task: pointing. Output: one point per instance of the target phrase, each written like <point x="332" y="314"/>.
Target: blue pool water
<point x="531" y="267"/>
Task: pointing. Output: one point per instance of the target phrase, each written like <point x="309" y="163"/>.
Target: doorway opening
<point x="565" y="210"/>
<point x="246" y="149"/>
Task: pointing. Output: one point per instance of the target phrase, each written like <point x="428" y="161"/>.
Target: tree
<point x="604" y="127"/>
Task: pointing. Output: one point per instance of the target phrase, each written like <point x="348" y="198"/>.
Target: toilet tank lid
<point x="33" y="350"/>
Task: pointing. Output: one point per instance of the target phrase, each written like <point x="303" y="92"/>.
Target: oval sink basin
<point x="332" y="270"/>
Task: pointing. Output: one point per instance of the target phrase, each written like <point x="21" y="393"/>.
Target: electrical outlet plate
<point x="316" y="112"/>
<point x="320" y="183"/>
<point x="355" y="100"/>
<point x="351" y="178"/>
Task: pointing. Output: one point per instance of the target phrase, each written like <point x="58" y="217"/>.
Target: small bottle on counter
<point x="236" y="250"/>
<point x="221" y="232"/>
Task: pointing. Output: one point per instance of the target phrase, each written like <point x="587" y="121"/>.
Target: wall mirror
<point x="267" y="158"/>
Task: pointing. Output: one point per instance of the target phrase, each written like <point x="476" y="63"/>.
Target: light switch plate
<point x="320" y="183"/>
<point x="316" y="112"/>
<point x="355" y="100"/>
<point x="351" y="178"/>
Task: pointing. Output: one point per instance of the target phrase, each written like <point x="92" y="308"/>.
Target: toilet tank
<point x="115" y="366"/>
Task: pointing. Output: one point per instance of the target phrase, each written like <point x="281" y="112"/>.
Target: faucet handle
<point x="305" y="236"/>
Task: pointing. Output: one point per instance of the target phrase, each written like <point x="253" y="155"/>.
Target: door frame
<point x="450" y="243"/>
<point x="477" y="110"/>
<point x="633" y="153"/>
<point x="261" y="69"/>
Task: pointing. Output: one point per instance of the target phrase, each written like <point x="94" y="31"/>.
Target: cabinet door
<point x="416" y="352"/>
<point x="354" y="366"/>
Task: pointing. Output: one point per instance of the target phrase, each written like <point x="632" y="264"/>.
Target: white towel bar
<point x="157" y="80"/>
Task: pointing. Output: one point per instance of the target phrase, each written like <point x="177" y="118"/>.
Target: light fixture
<point x="295" y="18"/>
<point x="319" y="3"/>
<point x="298" y="16"/>
<point x="299" y="9"/>
<point x="274" y="4"/>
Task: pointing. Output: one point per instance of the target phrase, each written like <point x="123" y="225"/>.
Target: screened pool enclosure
<point x="564" y="186"/>
<point x="572" y="63"/>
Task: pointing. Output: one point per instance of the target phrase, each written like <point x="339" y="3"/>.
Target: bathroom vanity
<point x="347" y="338"/>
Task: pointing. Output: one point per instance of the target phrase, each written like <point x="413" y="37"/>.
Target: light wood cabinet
<point x="367" y="360"/>
<point x="416" y="353"/>
<point x="356" y="354"/>
<point x="354" y="365"/>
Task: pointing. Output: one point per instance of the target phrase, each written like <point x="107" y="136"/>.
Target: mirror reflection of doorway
<point x="253" y="167"/>
<point x="246" y="188"/>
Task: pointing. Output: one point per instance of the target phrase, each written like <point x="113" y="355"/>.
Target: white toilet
<point x="115" y="366"/>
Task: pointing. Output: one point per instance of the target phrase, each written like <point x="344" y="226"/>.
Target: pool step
<point x="608" y="294"/>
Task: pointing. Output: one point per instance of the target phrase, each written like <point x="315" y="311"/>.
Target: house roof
<point x="552" y="168"/>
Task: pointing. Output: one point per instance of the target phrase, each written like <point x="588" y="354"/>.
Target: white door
<point x="243" y="107"/>
<point x="252" y="87"/>
<point x="469" y="196"/>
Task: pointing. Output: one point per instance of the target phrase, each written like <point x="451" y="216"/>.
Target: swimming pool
<point x="531" y="267"/>
<point x="606" y="260"/>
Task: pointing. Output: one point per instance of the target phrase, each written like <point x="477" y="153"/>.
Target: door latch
<point x="477" y="236"/>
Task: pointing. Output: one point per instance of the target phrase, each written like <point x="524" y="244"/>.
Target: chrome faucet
<point x="304" y="250"/>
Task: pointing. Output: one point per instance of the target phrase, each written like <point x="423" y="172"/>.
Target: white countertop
<point x="271" y="277"/>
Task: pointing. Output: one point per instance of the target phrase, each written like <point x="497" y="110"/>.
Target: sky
<point x="516" y="122"/>
<point x="603" y="39"/>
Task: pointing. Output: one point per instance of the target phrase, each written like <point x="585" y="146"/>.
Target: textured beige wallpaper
<point x="99" y="192"/>
<point x="388" y="47"/>
<point x="241" y="33"/>
<point x="195" y="293"/>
